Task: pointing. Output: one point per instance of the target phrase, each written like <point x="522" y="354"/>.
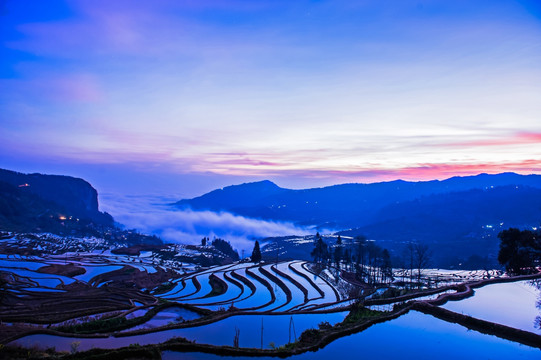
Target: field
<point x="75" y="302"/>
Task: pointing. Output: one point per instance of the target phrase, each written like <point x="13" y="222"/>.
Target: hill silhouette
<point x="343" y="206"/>
<point x="36" y="202"/>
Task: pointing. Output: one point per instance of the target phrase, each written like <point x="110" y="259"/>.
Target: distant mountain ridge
<point x="454" y="215"/>
<point x="244" y="195"/>
<point x="340" y="206"/>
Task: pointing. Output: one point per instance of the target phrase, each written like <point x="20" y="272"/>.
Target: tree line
<point x="520" y="251"/>
<point x="223" y="246"/>
<point x="371" y="263"/>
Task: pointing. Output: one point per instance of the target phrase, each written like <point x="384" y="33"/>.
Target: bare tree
<point x="421" y="259"/>
<point x="386" y="266"/>
<point x="359" y="268"/>
<point x="410" y="256"/>
<point x="236" y="338"/>
<point x="338" y="252"/>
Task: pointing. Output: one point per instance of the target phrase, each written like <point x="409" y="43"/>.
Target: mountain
<point x="340" y="206"/>
<point x="237" y="196"/>
<point x="31" y="202"/>
<point x="457" y="224"/>
<point x="452" y="215"/>
<point x="459" y="218"/>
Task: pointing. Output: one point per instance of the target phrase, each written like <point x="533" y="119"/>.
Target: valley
<point x="72" y="300"/>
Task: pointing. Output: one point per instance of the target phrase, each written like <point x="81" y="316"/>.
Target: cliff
<point x="28" y="200"/>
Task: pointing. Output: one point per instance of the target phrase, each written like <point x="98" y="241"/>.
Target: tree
<point x="204" y="241"/>
<point x="361" y="243"/>
<point x="410" y="255"/>
<point x="386" y="266"/>
<point x="373" y="264"/>
<point x="256" y="253"/>
<point x="421" y="259"/>
<point x="226" y="248"/>
<point x="3" y="288"/>
<point x="320" y="252"/>
<point x="236" y="338"/>
<point x="360" y="257"/>
<point x="347" y="259"/>
<point x="338" y="251"/>
<point x="373" y="255"/>
<point x="519" y="250"/>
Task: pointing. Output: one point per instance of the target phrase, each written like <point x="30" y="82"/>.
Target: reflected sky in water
<point x="413" y="336"/>
<point x="511" y="304"/>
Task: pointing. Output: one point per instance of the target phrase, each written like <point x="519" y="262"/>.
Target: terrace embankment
<point x="294" y="282"/>
<point x="361" y="318"/>
<point x="238" y="284"/>
<point x="69" y="270"/>
<point x="307" y="278"/>
<point x="465" y="290"/>
<point x="280" y="284"/>
<point x="267" y="285"/>
<point x="306" y="268"/>
<point x="47" y="308"/>
<point x="245" y="281"/>
<point x="122" y="298"/>
<point x="482" y="326"/>
<point x="310" y="340"/>
<point x="219" y="287"/>
<point x="129" y="276"/>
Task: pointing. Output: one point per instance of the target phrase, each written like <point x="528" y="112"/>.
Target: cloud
<point x="442" y="171"/>
<point x="152" y="215"/>
<point x="57" y="88"/>
<point x="71" y="87"/>
<point x="326" y="90"/>
<point x="145" y="30"/>
<point x="416" y="172"/>
<point x="520" y="138"/>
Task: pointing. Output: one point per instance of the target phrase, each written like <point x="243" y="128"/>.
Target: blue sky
<point x="185" y="96"/>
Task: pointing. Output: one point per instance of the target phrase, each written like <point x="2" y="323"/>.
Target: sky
<point x="181" y="97"/>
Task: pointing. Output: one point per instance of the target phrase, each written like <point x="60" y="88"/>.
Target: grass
<point x="165" y="287"/>
<point x="218" y="286"/>
<point x="360" y="313"/>
<point x="110" y="324"/>
<point x="391" y="293"/>
<point x="99" y="326"/>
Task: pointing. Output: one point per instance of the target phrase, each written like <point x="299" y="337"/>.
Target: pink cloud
<point x="516" y="139"/>
<point x="531" y="137"/>
<point x="371" y="173"/>
<point x="427" y="171"/>
<point x="245" y="161"/>
<point x="432" y="171"/>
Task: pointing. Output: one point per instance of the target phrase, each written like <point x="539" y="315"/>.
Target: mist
<point x="153" y="214"/>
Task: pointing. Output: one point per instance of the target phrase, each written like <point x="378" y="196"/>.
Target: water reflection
<point x="537" y="285"/>
<point x="275" y="330"/>
<point x="413" y="336"/>
<point x="513" y="304"/>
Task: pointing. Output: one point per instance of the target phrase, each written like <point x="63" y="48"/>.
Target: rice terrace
<point x="277" y="309"/>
